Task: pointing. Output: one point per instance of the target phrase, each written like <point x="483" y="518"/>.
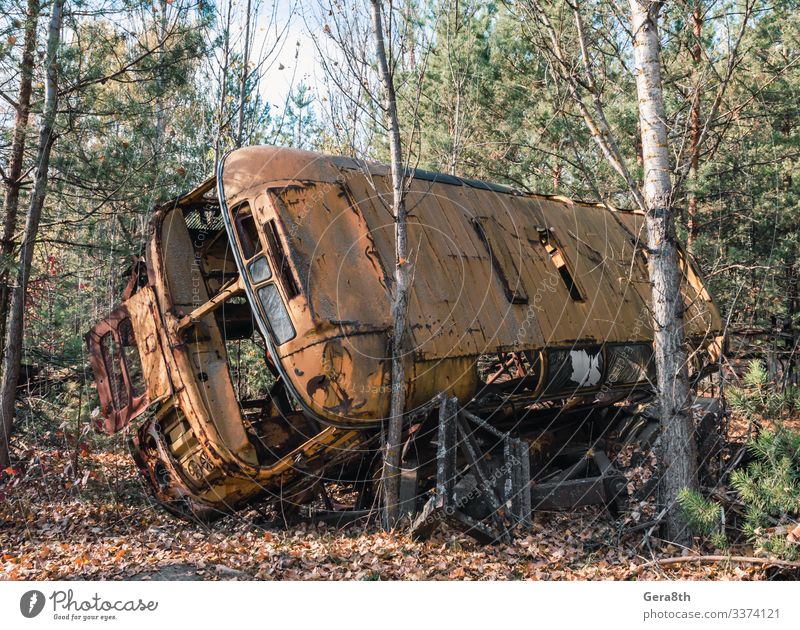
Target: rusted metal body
<point x="520" y="305"/>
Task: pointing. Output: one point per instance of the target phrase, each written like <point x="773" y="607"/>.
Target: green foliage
<point x="758" y="398"/>
<point x="769" y="488"/>
<point x="298" y="125"/>
<point x="769" y="491"/>
<point x="705" y="517"/>
<point x="493" y="108"/>
<point x="250" y="377"/>
<point x="749" y="198"/>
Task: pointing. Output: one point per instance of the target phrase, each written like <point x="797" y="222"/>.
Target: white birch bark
<point x="678" y="456"/>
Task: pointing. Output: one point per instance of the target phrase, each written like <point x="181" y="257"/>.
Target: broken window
<point x="278" y="316"/>
<point x="572" y="369"/>
<point x="123" y="365"/>
<point x="259" y="270"/>
<point x="511" y="371"/>
<point x="630" y="363"/>
<point x="551" y="246"/>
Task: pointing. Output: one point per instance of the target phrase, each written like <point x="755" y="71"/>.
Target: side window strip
<point x="280" y="260"/>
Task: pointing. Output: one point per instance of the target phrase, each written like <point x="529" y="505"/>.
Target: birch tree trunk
<point x="13" y="341"/>
<point x="391" y="459"/>
<point x="678" y="456"/>
<point x="16" y="159"/>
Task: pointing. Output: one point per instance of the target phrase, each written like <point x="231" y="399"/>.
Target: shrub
<point x="706" y="518"/>
<point x="769" y="491"/>
<point x="759" y="398"/>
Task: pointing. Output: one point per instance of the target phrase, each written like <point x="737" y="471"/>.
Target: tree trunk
<point x="223" y="87"/>
<point x="678" y="456"/>
<point x="161" y="114"/>
<point x="792" y="308"/>
<point x="694" y="126"/>
<point x="243" y="80"/>
<point x="13" y="183"/>
<point x="391" y="460"/>
<point x="13" y="350"/>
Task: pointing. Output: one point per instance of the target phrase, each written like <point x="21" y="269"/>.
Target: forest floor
<point x="97" y="521"/>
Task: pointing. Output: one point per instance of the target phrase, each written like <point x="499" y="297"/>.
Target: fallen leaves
<point x="106" y="526"/>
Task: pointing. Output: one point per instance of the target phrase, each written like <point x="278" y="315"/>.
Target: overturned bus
<point x="254" y="335"/>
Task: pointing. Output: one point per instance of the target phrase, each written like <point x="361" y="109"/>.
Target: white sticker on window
<point x="585" y="368"/>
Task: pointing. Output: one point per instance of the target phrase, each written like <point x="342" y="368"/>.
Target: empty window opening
<point x="548" y="241"/>
<point x="246" y="231"/>
<point x="131" y="355"/>
<point x="281" y="260"/>
<point x="247" y="359"/>
<point x="116" y="379"/>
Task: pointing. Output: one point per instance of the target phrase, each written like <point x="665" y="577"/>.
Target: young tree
<point x="459" y="78"/>
<point x="697" y="19"/>
<point x="13" y="341"/>
<point x="298" y="125"/>
<point x="374" y="57"/>
<point x="242" y="54"/>
<point x="243" y="76"/>
<point x="223" y="84"/>
<point x="391" y="458"/>
<point x="13" y="178"/>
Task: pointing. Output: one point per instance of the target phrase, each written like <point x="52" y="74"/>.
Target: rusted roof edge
<point x="378" y="168"/>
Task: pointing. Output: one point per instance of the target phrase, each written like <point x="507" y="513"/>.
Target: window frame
<point x="237" y="223"/>
<point x="114" y="414"/>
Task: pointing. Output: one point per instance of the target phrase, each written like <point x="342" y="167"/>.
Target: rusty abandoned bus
<point x="526" y="311"/>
